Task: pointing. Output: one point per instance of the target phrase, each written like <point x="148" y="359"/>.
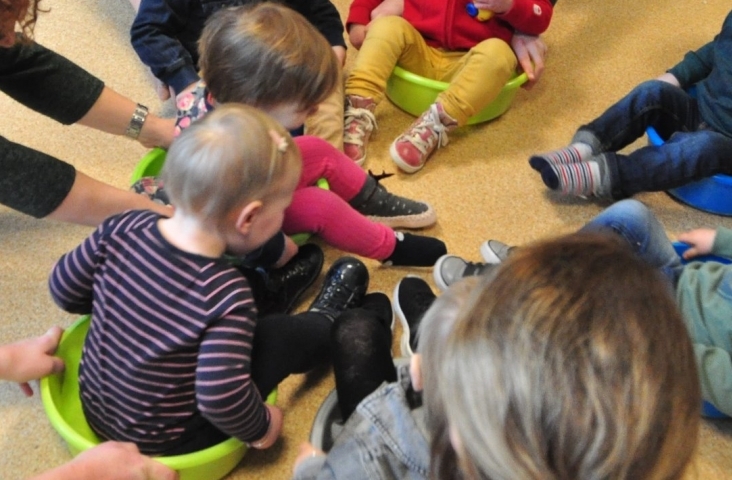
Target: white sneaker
<point x="494" y="251"/>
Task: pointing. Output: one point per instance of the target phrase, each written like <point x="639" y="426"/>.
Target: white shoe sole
<point x="424" y="219"/>
<point x="405" y="349"/>
<point x="439" y="281"/>
<point x="400" y="163"/>
<point x="488" y="254"/>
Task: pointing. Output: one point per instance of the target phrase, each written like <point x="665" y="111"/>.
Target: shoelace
<point x="398" y="203"/>
<point x="430" y="122"/>
<point x="357" y="120"/>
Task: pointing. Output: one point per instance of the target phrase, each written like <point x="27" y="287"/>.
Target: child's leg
<point x="654" y="103"/>
<point x="477" y="78"/>
<point x="327" y="122"/>
<point x="684" y="158"/>
<point x="324" y="213"/>
<point x="361" y="191"/>
<point x="287" y="344"/>
<point x="390" y="40"/>
<point x="637" y="225"/>
<point x="361" y="347"/>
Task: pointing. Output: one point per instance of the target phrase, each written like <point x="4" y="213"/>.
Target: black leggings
<point x="361" y="351"/>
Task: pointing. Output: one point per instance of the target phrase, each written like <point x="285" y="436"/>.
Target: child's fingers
<point x="26" y="389"/>
<point x="690" y="252"/>
<point x="51" y="338"/>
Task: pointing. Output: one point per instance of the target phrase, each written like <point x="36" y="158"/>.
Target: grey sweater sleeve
<point x="48" y="83"/>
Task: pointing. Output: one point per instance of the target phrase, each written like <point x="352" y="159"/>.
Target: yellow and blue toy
<point x="478" y="13"/>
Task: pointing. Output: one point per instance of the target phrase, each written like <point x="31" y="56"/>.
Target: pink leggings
<point x="327" y="213"/>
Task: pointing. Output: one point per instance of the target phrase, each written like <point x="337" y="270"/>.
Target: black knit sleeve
<point x="47" y="82"/>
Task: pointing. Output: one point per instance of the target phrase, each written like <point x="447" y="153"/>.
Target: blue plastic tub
<point x="713" y="194"/>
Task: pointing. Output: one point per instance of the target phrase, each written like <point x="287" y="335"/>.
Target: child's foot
<point x="380" y="304"/>
<point x="494" y="251"/>
<point x="344" y="287"/>
<point x="358" y="125"/>
<point x="415" y="251"/>
<point x="451" y="268"/>
<point x="278" y="290"/>
<point x="379" y="205"/>
<point x="411" y="149"/>
<point x="581" y="179"/>
<point x="574" y="153"/>
<point x="412" y="298"/>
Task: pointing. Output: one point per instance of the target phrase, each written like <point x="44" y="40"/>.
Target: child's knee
<point x="388" y="26"/>
<point x="498" y="54"/>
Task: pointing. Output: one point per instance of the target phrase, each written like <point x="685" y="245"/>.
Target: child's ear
<point x="246" y="216"/>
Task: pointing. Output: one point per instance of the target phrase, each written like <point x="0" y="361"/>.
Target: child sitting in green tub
<point x="438" y="40"/>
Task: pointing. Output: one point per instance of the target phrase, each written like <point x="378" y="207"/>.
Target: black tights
<point x="361" y="352"/>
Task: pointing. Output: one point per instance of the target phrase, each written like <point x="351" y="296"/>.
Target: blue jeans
<point x="637" y="225"/>
<point x="691" y="152"/>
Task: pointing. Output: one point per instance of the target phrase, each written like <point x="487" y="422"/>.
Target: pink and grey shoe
<point x="357" y="127"/>
<point x="411" y="149"/>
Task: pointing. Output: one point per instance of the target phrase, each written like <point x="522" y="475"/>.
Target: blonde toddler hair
<point x="234" y="155"/>
<point x="571" y="363"/>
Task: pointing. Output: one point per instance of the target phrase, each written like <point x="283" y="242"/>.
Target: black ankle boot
<point x="278" y="290"/>
<point x="375" y="202"/>
<point x="344" y="287"/>
<point x="415" y="251"/>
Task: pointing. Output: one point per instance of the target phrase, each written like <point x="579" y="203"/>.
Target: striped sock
<point x="576" y="152"/>
<point x="579" y="179"/>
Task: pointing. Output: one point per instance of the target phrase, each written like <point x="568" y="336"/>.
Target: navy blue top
<point x="710" y="68"/>
<point x="165" y="33"/>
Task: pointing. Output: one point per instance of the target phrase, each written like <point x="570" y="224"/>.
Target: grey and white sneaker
<point x="412" y="298"/>
<point x="451" y="268"/>
<point x="381" y="206"/>
<point x="494" y="251"/>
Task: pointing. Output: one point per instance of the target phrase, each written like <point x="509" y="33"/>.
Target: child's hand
<point x="111" y="461"/>
<point x="31" y="359"/>
<point x="700" y="242"/>
<point x="531" y="52"/>
<point x="274" y="430"/>
<point x="305" y="451"/>
<point x="388" y="7"/>
<point x="495" y="6"/>
<point x="356" y="34"/>
<point x="669" y="78"/>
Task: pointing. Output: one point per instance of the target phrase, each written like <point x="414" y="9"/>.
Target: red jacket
<point x="446" y="24"/>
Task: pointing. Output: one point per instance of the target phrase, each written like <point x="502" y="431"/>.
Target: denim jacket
<point x="165" y="33"/>
<point x="385" y="438"/>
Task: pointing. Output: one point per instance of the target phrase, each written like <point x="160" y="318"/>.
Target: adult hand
<point x="495" y="6"/>
<point x="669" y="78"/>
<point x="356" y="34"/>
<point x="388" y="7"/>
<point x="700" y="242"/>
<point x="31" y="359"/>
<point x="531" y="53"/>
<point x="306" y="450"/>
<point x="111" y="461"/>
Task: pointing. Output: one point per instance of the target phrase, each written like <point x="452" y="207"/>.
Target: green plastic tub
<point x="414" y="94"/>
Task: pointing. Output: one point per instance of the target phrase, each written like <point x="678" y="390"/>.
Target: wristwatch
<point x="136" y="122"/>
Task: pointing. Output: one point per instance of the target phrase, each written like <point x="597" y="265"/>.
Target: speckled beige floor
<point x="480" y="185"/>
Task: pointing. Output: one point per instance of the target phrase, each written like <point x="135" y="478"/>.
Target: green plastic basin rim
<point x="78" y="443"/>
<point x="438" y="85"/>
